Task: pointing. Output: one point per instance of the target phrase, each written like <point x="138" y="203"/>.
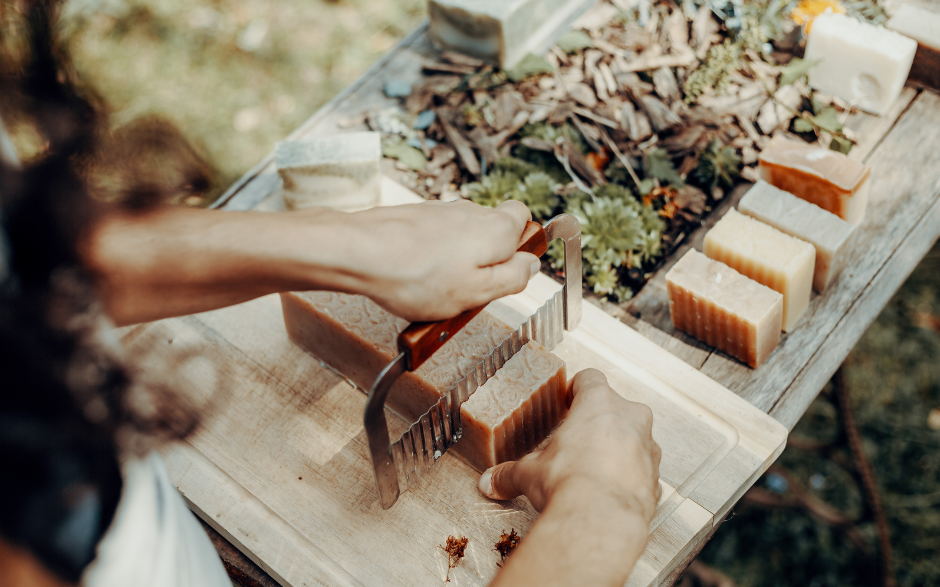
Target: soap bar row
<point x="504" y="419"/>
<point x="762" y="260"/>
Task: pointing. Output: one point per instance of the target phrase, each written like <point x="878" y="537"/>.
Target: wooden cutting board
<point x="280" y="467"/>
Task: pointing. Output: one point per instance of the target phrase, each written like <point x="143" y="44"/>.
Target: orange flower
<point x="807" y="11"/>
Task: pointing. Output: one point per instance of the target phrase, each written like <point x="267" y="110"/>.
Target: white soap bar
<point x="828" y="233"/>
<point x="924" y="27"/>
<point x="500" y="31"/>
<point x="864" y="64"/>
<point x="781" y="262"/>
<point x="337" y="171"/>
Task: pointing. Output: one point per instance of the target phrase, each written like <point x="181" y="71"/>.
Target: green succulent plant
<point x="493" y="189"/>
<point x="537" y="192"/>
<point x="718" y="166"/>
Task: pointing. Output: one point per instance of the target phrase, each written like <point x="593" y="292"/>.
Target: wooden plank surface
<point x="284" y="453"/>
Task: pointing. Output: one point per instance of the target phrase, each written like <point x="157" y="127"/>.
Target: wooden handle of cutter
<point x="422" y="339"/>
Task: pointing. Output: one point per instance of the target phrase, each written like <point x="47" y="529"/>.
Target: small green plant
<point x="719" y="166"/>
<point x="493" y="189"/>
<point x="537" y="192"/>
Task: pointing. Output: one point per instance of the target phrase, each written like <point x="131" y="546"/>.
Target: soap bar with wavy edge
<point x="781" y="262"/>
<point x="356" y="337"/>
<point x="719" y="306"/>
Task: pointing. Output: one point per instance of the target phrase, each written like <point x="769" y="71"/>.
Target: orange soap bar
<point x="358" y="338"/>
<point x="514" y="410"/>
<point x="826" y="178"/>
<point x="719" y="306"/>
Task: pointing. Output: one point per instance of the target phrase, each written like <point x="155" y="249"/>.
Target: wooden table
<point x="902" y="223"/>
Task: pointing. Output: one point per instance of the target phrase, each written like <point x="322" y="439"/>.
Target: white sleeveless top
<point x="154" y="540"/>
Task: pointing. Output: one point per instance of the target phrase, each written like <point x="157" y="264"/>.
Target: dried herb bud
<point x="506" y="543"/>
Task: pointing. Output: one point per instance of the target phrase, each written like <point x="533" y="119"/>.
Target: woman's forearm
<point x="583" y="537"/>
<point x="176" y="261"/>
<point x="422" y="262"/>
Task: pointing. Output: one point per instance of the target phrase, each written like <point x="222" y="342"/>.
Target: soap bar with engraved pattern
<point x="515" y="409"/>
<point x="766" y="255"/>
<point x="356" y="337"/>
<point x="719" y="306"/>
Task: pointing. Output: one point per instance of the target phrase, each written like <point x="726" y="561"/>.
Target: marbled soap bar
<point x="514" y="410"/>
<point x="358" y="338"/>
<point x="337" y="171"/>
<point x="826" y="178"/>
<point x="719" y="306"/>
<point x="828" y="233"/>
<point x="781" y="262"/>
<point x="864" y="64"/>
<point x="500" y="31"/>
<point x="924" y="27"/>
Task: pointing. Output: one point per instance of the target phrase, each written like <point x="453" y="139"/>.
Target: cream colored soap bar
<point x="924" y="27"/>
<point x="500" y="31"/>
<point x="828" y="233"/>
<point x="861" y="63"/>
<point x="826" y="178"/>
<point x="766" y="255"/>
<point x="358" y="338"/>
<point x="514" y="410"/>
<point x="719" y="306"/>
<point x="337" y="171"/>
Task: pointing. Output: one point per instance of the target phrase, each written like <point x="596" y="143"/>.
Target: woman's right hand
<point x="604" y="446"/>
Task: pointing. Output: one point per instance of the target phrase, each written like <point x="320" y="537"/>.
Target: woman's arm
<point x="422" y="262"/>
<point x="596" y="484"/>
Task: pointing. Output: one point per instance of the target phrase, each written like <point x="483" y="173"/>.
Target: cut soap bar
<point x="723" y="308"/>
<point x="863" y="64"/>
<point x="826" y="178"/>
<point x="924" y="27"/>
<point x="514" y="410"/>
<point x="766" y="255"/>
<point x="338" y="171"/>
<point x="828" y="233"/>
<point x="358" y="338"/>
<point x="500" y="31"/>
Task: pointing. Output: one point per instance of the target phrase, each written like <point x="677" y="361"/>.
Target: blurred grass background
<point x="237" y="76"/>
<point x="234" y="76"/>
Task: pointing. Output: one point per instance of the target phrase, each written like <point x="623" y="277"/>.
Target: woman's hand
<point x="434" y="260"/>
<point x="605" y="445"/>
<point x="596" y="484"/>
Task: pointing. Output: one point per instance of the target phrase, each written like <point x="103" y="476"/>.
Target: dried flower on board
<point x="455" y="547"/>
<point x="506" y="543"/>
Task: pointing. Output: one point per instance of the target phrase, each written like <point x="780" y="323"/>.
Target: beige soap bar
<point x="766" y="255"/>
<point x="514" y="410"/>
<point x="337" y="171"/>
<point x="924" y="27"/>
<point x="828" y="233"/>
<point x="358" y="338"/>
<point x="826" y="178"/>
<point x="719" y="306"/>
<point x="500" y="31"/>
<point x="861" y="63"/>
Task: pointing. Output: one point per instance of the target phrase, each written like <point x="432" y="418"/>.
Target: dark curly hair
<point x="65" y="408"/>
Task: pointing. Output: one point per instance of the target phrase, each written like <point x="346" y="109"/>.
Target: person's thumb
<point x="509" y="480"/>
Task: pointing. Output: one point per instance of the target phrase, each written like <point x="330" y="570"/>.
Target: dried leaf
<point x="574" y="41"/>
<point x="583" y="94"/>
<point x="408" y="155"/>
<point x="658" y="164"/>
<point x="530" y="66"/>
<point x="796" y="69"/>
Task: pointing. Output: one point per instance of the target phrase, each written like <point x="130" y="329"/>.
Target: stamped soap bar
<point x="336" y="171"/>
<point x="864" y="64"/>
<point x="500" y="31"/>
